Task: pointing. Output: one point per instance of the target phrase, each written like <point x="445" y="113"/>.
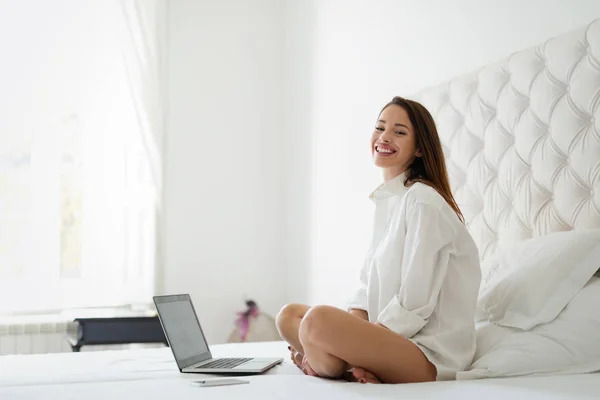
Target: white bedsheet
<point x="152" y="374"/>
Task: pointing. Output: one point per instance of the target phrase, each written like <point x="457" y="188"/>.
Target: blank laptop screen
<point x="182" y="329"/>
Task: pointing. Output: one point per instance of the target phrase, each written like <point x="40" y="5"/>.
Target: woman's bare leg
<point x="324" y="364"/>
<point x="288" y="323"/>
<point x="332" y="339"/>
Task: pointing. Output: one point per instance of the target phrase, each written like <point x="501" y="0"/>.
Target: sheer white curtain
<point x="81" y="127"/>
<point x="143" y="41"/>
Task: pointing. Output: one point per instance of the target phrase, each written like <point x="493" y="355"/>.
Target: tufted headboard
<point x="522" y="140"/>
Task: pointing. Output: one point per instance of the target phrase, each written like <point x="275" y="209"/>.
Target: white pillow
<point x="529" y="282"/>
<point x="567" y="345"/>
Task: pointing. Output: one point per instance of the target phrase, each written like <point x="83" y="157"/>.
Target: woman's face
<point x="393" y="144"/>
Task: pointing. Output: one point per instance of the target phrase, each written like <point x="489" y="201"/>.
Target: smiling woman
<point x="403" y="142"/>
<point x="394" y="148"/>
<point x="411" y="318"/>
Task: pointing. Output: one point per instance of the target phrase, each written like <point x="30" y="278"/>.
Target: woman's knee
<point x="287" y="313"/>
<point x="315" y="336"/>
<point x="314" y="326"/>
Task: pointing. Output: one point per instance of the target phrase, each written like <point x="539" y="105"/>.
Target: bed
<point x="522" y="138"/>
<point x="152" y="374"/>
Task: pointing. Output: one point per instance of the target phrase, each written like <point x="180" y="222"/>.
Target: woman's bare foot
<point x="300" y="361"/>
<point x="360" y="375"/>
<point x="307" y="369"/>
<point x="296" y="357"/>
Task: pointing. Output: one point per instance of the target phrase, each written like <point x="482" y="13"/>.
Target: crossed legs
<point x="332" y="340"/>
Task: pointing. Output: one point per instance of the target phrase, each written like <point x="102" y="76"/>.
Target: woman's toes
<point x="358" y="373"/>
<point x="363" y="376"/>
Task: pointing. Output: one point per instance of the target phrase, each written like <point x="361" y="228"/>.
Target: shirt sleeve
<point x="427" y="248"/>
<point x="358" y="300"/>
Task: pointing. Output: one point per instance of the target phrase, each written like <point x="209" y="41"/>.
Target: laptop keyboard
<point x="224" y="363"/>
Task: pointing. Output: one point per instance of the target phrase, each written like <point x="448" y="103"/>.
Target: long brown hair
<point x="430" y="168"/>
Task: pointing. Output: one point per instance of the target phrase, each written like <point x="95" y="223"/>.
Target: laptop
<point x="185" y="337"/>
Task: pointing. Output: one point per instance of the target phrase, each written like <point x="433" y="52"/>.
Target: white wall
<point x="344" y="60"/>
<point x="271" y="105"/>
<point x="224" y="158"/>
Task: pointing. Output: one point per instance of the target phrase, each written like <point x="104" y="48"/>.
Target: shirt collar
<point x="393" y="187"/>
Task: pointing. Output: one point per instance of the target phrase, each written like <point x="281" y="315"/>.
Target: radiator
<point x="33" y="337"/>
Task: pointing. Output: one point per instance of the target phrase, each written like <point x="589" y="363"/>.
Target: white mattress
<point x="152" y="374"/>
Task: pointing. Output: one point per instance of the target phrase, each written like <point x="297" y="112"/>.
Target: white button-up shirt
<point x="422" y="274"/>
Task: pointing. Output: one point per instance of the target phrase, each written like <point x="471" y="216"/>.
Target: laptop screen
<point x="182" y="329"/>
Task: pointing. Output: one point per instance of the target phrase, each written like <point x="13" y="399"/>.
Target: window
<point x="77" y="193"/>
